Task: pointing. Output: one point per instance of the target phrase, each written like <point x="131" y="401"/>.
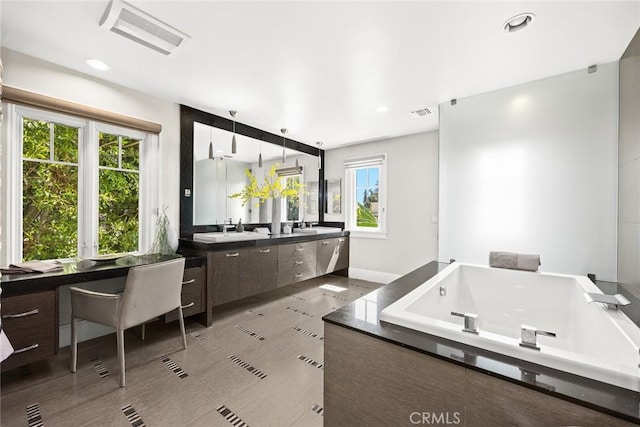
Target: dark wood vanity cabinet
<point x="333" y="255"/>
<point x="31" y="324"/>
<point x="296" y="262"/>
<point x="261" y="272"/>
<point x="227" y="269"/>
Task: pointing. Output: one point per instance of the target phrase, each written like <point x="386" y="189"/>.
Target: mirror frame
<point x="188" y="116"/>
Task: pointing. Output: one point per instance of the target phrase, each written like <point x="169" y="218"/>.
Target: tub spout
<point x="613" y="302"/>
<point x="529" y="336"/>
<point x="470" y="321"/>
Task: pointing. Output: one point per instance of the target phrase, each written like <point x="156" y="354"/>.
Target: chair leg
<point x="120" y="339"/>
<point x="181" y="319"/>
<point x="144" y="331"/>
<point x="74" y="345"/>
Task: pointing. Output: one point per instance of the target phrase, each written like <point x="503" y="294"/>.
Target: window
<point x="87" y="188"/>
<point x="365" y="181"/>
<point x="291" y="206"/>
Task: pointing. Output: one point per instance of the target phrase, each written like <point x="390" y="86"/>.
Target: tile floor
<point x="260" y="364"/>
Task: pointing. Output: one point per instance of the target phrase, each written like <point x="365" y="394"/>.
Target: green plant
<point x="161" y="243"/>
<point x="365" y="218"/>
<point x="273" y="187"/>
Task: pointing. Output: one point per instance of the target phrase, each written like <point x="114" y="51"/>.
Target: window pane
<point x="367" y="180"/>
<point x="130" y="153"/>
<point x="35" y="137"/>
<point x="65" y="143"/>
<point x="108" y="150"/>
<point x="118" y="211"/>
<point x="292" y="202"/>
<point x="50" y="211"/>
<point x="361" y="178"/>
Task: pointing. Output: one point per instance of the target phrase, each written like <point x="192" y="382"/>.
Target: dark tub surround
<point x="241" y="269"/>
<point x="30" y="301"/>
<point x="406" y="372"/>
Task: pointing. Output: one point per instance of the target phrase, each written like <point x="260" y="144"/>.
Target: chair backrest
<point x="150" y="291"/>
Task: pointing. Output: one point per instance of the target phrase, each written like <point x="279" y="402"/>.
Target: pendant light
<point x="284" y="145"/>
<point x="233" y="139"/>
<point x="260" y="156"/>
<point x="319" y="144"/>
<point x="211" y="144"/>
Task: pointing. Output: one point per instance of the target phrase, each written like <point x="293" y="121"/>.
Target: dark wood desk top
<point x="82" y="271"/>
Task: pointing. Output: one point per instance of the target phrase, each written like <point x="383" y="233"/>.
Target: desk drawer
<point x="192" y="295"/>
<point x="29" y="321"/>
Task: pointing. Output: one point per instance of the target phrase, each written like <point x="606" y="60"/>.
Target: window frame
<point x="11" y="232"/>
<point x="351" y="166"/>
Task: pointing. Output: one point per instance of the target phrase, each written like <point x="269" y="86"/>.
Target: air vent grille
<point x="422" y="112"/>
<point x="136" y="25"/>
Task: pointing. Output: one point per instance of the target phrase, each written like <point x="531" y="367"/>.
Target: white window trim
<point x="11" y="147"/>
<point x="350" y="166"/>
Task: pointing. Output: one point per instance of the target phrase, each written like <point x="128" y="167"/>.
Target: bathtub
<point x="591" y="341"/>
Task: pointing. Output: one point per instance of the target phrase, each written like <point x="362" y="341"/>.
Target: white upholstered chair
<point x="150" y="291"/>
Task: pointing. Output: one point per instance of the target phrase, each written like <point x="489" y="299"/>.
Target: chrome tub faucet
<point x="529" y="336"/>
<point x="613" y="302"/>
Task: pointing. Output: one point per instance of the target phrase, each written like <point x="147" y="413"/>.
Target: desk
<point x="30" y="301"/>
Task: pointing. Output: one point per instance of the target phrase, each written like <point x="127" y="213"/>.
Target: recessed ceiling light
<point x="518" y="22"/>
<point x="319" y="143"/>
<point x="96" y="64"/>
<point x="382" y="109"/>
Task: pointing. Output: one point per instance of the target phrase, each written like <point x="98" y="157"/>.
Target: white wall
<point x="412" y="206"/>
<point x="35" y="75"/>
<point x="533" y="168"/>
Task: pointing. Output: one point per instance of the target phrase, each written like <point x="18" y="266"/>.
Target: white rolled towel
<point x="514" y="261"/>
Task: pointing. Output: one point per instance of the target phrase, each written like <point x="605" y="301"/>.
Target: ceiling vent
<point x="421" y="113"/>
<point x="134" y="24"/>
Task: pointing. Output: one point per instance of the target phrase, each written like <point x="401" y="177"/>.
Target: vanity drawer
<point x="29" y="321"/>
<point x="297" y="274"/>
<point x="300" y="260"/>
<point x="293" y="250"/>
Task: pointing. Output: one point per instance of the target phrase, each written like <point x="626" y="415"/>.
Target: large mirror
<point x="219" y="173"/>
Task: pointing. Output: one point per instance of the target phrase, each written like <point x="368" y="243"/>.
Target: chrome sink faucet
<point x="226" y="227"/>
<point x="529" y="336"/>
<point x="613" y="302"/>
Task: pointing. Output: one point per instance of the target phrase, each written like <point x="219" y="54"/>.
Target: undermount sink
<point x="232" y="236"/>
<point x="317" y="230"/>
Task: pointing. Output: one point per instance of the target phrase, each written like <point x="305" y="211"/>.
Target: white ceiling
<point x="320" y="69"/>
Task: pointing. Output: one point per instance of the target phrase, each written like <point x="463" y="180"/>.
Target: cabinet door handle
<point x="188" y="282"/>
<point x="299" y="249"/>
<point x="325" y="243"/>
<point x="233" y="255"/>
<point x="297" y="276"/>
<point x="340" y="240"/>
<point x="299" y="262"/>
<point x="22" y="350"/>
<point x="25" y="314"/>
<point x="191" y="304"/>
<point x="264" y="251"/>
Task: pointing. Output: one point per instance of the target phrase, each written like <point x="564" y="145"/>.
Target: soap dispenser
<point x="240" y="227"/>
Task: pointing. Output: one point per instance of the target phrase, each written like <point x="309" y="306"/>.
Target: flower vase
<point x="276" y="215"/>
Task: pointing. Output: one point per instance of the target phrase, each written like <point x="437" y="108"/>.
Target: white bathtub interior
<point x="590" y="341"/>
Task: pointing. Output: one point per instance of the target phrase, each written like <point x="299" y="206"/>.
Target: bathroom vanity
<point x="409" y="377"/>
<point x="239" y="269"/>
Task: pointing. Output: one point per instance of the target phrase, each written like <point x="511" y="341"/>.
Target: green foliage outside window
<point x="50" y="191"/>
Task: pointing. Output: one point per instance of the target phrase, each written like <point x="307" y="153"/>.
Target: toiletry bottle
<point x="240" y="227"/>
